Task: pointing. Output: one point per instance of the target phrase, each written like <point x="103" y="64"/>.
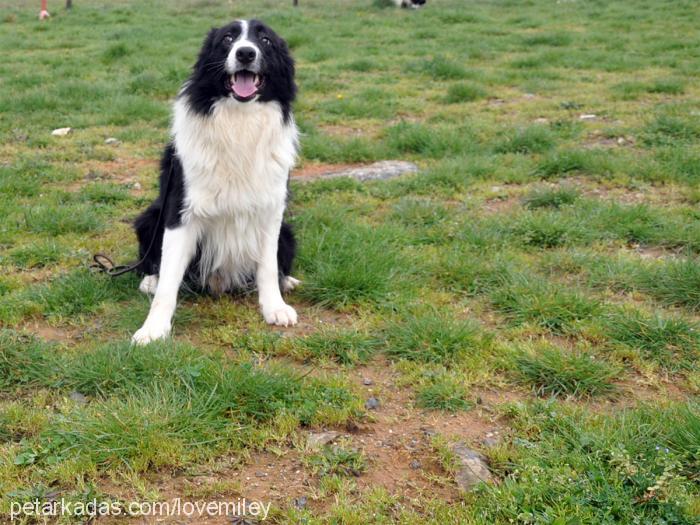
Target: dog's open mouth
<point x="245" y="85"/>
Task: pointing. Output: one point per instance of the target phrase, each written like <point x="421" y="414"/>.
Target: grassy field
<point x="539" y="280"/>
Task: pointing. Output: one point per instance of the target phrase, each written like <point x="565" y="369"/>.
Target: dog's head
<point x="246" y="61"/>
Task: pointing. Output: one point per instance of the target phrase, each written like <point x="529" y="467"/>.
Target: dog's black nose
<point x="245" y="55"/>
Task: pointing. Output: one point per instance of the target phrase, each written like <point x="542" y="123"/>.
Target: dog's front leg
<point x="274" y="309"/>
<point x="179" y="246"/>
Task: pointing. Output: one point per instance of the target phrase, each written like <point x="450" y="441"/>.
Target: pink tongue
<point x="244" y="84"/>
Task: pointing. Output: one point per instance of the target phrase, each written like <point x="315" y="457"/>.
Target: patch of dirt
<point x="500" y="205"/>
<point x="312" y="319"/>
<point x="124" y="171"/>
<point x="50" y="333"/>
<point x="343" y="131"/>
<point x="395" y="439"/>
<point x="598" y="141"/>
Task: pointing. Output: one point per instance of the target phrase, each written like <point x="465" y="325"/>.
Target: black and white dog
<point x="217" y="222"/>
<point x="414" y="4"/>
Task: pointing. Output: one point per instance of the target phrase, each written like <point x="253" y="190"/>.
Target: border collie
<point x="217" y="222"/>
<point x="414" y="4"/>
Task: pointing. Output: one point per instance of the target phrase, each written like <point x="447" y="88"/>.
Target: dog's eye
<point x="265" y="41"/>
<point x="228" y="40"/>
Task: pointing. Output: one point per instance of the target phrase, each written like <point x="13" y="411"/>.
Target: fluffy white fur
<point x="236" y="163"/>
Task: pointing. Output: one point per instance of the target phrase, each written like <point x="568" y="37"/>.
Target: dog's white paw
<point x="150" y="332"/>
<point x="280" y="315"/>
<point x="149" y="284"/>
<point x="289" y="283"/>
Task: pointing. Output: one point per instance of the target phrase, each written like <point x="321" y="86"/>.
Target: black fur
<point x="205" y="86"/>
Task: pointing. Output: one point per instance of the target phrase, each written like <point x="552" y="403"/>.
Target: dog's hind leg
<point x="288" y="283"/>
<point x="148" y="284"/>
<point x="286" y="250"/>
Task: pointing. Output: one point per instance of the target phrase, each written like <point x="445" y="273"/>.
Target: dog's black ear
<point x="207" y="48"/>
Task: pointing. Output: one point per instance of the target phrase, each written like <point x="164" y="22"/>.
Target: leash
<point x="105" y="264"/>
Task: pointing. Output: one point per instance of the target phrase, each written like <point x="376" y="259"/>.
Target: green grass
<point x="550" y="198"/>
<point x="536" y="254"/>
<point x="458" y="93"/>
<point x="673" y="342"/>
<point x="337" y="460"/>
<point x="545" y="305"/>
<point x="553" y="371"/>
<point x="535" y="139"/>
<point x="445" y="394"/>
<point x="343" y="347"/>
<point x="435" y="338"/>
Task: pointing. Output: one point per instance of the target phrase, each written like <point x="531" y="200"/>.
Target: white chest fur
<point x="236" y="162"/>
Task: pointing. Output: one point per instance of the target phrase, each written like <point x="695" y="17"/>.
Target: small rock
<point x="260" y="474"/>
<point x="415" y="464"/>
<point x="317" y="440"/>
<point x="61" y="132"/>
<point x="112" y="140"/>
<point x="473" y="468"/>
<point x="367" y="381"/>
<point x="240" y="520"/>
<point x="372" y="403"/>
<point x="429" y="432"/>
<point x="136" y="186"/>
<point x="78" y="397"/>
<point x="300" y="502"/>
<point x="382" y="170"/>
<point x="491" y="439"/>
<point x="588" y="116"/>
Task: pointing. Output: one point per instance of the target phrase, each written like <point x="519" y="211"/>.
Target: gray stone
<point x="382" y="170"/>
<point x="491" y="439"/>
<point x="367" y="381"/>
<point x="112" y="140"/>
<point x="372" y="403"/>
<point x="78" y="397"/>
<point x="472" y="467"/>
<point x="317" y="440"/>
<point x="300" y="502"/>
<point x="415" y="464"/>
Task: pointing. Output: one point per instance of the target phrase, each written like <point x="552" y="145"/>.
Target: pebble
<point x="372" y="403"/>
<point x="367" y="381"/>
<point x="317" y="440"/>
<point x="491" y="439"/>
<point x="61" y="132"/>
<point x="300" y="502"/>
<point x="415" y="464"/>
<point x="473" y="469"/>
<point x="112" y="140"/>
<point x="78" y="397"/>
<point x="136" y="186"/>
